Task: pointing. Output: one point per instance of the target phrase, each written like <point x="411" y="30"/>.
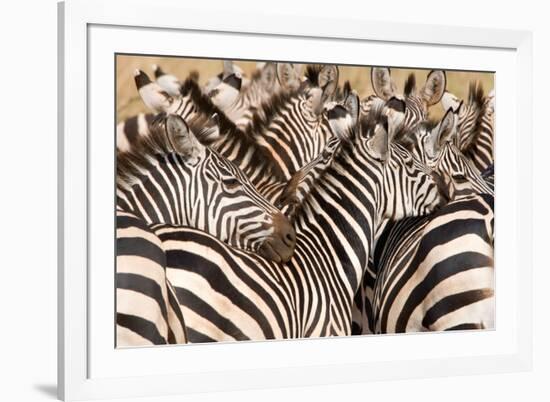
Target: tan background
<point x="129" y="103"/>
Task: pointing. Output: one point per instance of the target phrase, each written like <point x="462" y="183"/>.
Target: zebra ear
<point x="378" y="145"/>
<point x="269" y="75"/>
<point x="328" y="80"/>
<point x="443" y="133"/>
<point x="181" y="138"/>
<point x="381" y="81"/>
<point x="158" y="71"/>
<point x="288" y="76"/>
<point x="227" y="92"/>
<point x="433" y="90"/>
<point x="228" y="68"/>
<point x="154" y="97"/>
<point x="352" y="105"/>
<point x="448" y="100"/>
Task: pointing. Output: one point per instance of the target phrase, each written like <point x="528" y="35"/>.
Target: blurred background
<point x="129" y="103"/>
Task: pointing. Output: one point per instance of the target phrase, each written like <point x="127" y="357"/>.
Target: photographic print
<point x="262" y="200"/>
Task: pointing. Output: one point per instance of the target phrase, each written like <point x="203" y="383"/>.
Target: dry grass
<point x="129" y="103"/>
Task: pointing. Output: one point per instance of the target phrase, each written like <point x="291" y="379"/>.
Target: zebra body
<point x="435" y="147"/>
<point x="436" y="273"/>
<point x="147" y="307"/>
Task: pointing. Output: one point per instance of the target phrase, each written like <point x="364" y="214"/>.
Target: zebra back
<point x="437" y="273"/>
<point x="147" y="311"/>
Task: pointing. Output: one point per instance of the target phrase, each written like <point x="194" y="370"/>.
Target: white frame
<point x="75" y="17"/>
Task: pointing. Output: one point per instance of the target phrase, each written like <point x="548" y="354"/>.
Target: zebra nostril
<point x="290" y="238"/>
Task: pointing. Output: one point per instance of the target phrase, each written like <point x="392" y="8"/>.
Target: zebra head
<point x="289" y="76"/>
<point x="226" y="93"/>
<point x="318" y="85"/>
<point x="229" y="67"/>
<point x="436" y="146"/>
<point x="468" y="112"/>
<point x="167" y="82"/>
<point x="417" y="101"/>
<point x="153" y="95"/>
<point x="408" y="187"/>
<point x="169" y="177"/>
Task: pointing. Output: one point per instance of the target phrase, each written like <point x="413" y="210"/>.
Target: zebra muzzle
<point x="279" y="247"/>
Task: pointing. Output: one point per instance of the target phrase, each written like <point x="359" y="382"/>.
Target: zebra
<point x="147" y="311"/>
<point x="129" y="130"/>
<point x="231" y="294"/>
<point x="458" y="238"/>
<point x="476" y="121"/>
<point x="167" y="82"/>
<point x="157" y="99"/>
<point x="434" y="145"/>
<point x="262" y="85"/>
<point x="291" y="125"/>
<point x="229" y="67"/>
<point x="285" y="132"/>
<point x="437" y="272"/>
<point x="417" y="102"/>
<point x="170" y="177"/>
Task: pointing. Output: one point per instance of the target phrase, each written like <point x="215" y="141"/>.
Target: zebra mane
<point x="368" y="122"/>
<point x="205" y="106"/>
<point x="256" y="75"/>
<point x="476" y="94"/>
<point x="406" y="136"/>
<point x="410" y="85"/>
<point x="342" y="93"/>
<point x="248" y="137"/>
<point x="476" y="98"/>
<point x="194" y="75"/>
<point x="312" y="73"/>
<point x="144" y="153"/>
<point x="264" y="115"/>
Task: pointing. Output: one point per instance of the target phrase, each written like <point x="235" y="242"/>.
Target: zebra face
<point x="226" y="93"/>
<point x="167" y="82"/>
<point x="407" y="186"/>
<point x="244" y="218"/>
<point x="169" y="177"/>
<point x="437" y="148"/>
<point x="320" y="83"/>
<point x="417" y="101"/>
<point x="153" y="95"/>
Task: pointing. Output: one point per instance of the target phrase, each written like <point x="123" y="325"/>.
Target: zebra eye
<point x="231" y="182"/>
<point x="459" y="178"/>
<point x="408" y="160"/>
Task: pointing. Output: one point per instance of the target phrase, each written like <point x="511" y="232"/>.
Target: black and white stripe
<point x="170" y="177"/>
<point x="228" y="294"/>
<point x="437" y="273"/>
<point x="475" y="125"/>
<point x="147" y="308"/>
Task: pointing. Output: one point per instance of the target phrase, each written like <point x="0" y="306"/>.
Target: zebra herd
<point x="282" y="205"/>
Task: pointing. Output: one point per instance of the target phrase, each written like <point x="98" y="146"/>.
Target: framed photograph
<point x="255" y="201"/>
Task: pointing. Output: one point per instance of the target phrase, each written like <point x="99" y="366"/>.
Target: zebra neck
<point x="158" y="195"/>
<point x="340" y="212"/>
